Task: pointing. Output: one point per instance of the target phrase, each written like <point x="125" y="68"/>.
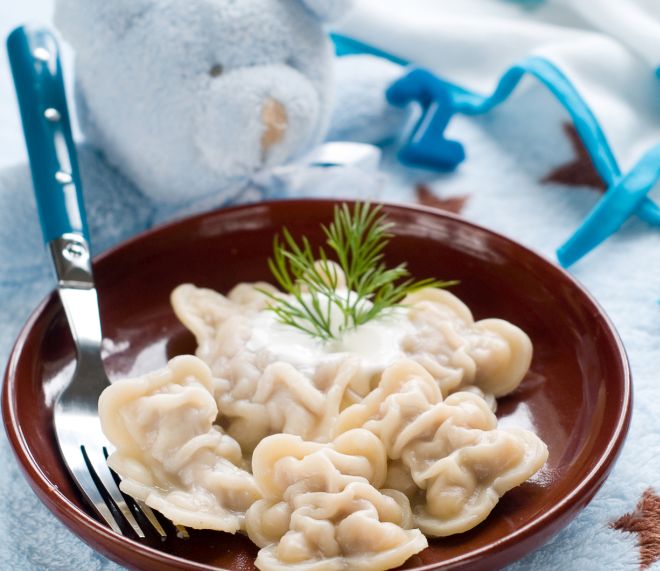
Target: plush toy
<point x="189" y="98"/>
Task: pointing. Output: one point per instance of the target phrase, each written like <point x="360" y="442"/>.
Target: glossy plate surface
<point x="577" y="396"/>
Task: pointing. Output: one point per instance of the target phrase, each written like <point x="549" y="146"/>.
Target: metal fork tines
<point x="86" y="459"/>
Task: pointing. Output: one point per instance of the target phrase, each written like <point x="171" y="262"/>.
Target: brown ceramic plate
<point x="577" y="395"/>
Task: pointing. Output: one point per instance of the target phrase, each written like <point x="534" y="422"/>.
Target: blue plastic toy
<point x="624" y="198"/>
<point x="427" y="146"/>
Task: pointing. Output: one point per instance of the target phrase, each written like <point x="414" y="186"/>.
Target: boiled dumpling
<point x="322" y="509"/>
<point x="170" y="454"/>
<point x="447" y="455"/>
<point x="492" y="354"/>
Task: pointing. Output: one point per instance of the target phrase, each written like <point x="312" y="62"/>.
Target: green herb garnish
<point x="358" y="239"/>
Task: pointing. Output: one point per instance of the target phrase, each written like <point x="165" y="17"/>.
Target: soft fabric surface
<point x="511" y="153"/>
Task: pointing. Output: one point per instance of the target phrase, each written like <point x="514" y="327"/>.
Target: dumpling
<point x="359" y="528"/>
<point x="218" y="323"/>
<point x="322" y="509"/>
<point x="263" y="386"/>
<point x="492" y="354"/>
<point x="285" y="400"/>
<point x="448" y="456"/>
<point x="464" y="487"/>
<point x="168" y="452"/>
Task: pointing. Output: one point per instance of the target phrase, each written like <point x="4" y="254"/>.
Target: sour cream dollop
<point x="377" y="343"/>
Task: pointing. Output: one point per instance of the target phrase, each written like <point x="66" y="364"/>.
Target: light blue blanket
<point x="509" y="158"/>
<point x="511" y="153"/>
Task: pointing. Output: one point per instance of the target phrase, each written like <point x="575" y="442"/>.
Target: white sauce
<point x="377" y="343"/>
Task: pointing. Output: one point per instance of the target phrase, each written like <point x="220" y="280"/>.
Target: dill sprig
<point x="358" y="239"/>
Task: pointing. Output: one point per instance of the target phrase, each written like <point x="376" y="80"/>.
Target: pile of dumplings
<point x="339" y="467"/>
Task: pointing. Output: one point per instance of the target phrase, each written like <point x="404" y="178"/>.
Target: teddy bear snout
<point x="276" y="122"/>
<point x="255" y="118"/>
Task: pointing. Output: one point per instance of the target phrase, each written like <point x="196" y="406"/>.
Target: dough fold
<point x="492" y="354"/>
<point x="447" y="455"/>
<point x="170" y="454"/>
<point x="322" y="509"/>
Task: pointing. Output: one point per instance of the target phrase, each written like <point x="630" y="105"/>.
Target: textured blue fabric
<point x="511" y="151"/>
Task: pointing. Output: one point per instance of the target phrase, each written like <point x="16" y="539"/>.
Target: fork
<point x="37" y="73"/>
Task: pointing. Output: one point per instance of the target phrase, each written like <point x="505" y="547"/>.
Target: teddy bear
<point x="189" y="99"/>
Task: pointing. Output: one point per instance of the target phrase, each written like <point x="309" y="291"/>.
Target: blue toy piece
<point x="427" y="146"/>
<point x="626" y="197"/>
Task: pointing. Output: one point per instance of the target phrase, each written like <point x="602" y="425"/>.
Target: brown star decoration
<point x="427" y="197"/>
<point x="580" y="171"/>
<point x="645" y="521"/>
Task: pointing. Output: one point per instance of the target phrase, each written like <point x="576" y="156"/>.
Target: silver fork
<point x="36" y="69"/>
<point x="77" y="427"/>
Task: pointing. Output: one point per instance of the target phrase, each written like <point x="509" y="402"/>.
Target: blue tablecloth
<point x="520" y="180"/>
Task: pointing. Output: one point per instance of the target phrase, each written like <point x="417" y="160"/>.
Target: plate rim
<point x="86" y="527"/>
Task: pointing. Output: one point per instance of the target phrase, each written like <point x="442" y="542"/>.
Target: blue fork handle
<point x="37" y="72"/>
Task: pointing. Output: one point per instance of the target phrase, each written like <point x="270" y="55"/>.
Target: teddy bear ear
<point x="329" y="10"/>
